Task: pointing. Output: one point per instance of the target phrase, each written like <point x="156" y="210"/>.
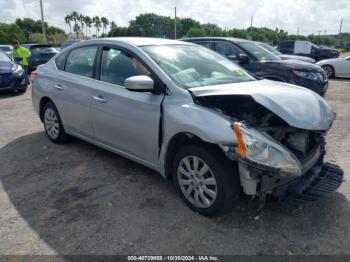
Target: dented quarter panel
<point x="298" y="106"/>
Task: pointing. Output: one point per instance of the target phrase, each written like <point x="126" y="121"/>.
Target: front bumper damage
<point x="315" y="184"/>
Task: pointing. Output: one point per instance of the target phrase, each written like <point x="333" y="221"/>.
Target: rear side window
<point x="80" y="61"/>
<point x="286" y="45"/>
<point x="61" y="61"/>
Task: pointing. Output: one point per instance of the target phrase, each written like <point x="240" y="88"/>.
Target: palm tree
<point x="88" y="24"/>
<point x="67" y="20"/>
<point x="81" y="20"/>
<point x="97" y="23"/>
<point x="76" y="29"/>
<point x="105" y="22"/>
<point x="75" y="16"/>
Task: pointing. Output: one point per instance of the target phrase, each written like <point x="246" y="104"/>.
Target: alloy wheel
<point x="197" y="181"/>
<point x="328" y="70"/>
<point x="51" y="123"/>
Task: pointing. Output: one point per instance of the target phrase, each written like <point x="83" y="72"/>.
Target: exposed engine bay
<point x="308" y="146"/>
<point x="244" y="108"/>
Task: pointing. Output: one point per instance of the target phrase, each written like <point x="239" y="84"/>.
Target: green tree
<point x="68" y="20"/>
<point x="105" y="23"/>
<point x="10" y="32"/>
<point x="97" y="23"/>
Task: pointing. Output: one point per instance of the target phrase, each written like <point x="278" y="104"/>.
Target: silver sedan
<point x="193" y="116"/>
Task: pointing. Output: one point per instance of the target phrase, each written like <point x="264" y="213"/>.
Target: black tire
<point x="224" y="171"/>
<point x="329" y="70"/>
<point x="21" y="91"/>
<point x="61" y="136"/>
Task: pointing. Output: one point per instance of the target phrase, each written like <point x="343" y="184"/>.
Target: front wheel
<point x="206" y="179"/>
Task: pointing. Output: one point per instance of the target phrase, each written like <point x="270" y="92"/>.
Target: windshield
<point x="4" y="57"/>
<point x="5" y="48"/>
<point x="193" y="66"/>
<point x="258" y="52"/>
<point x="269" y="48"/>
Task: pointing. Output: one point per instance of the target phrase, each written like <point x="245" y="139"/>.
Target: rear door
<point x="124" y="120"/>
<point x="73" y="89"/>
<point x="343" y="69"/>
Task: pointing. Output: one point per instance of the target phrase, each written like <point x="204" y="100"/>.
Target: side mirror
<point x="243" y="59"/>
<point x="139" y="83"/>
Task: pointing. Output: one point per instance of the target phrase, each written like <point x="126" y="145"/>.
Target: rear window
<point x="5" y="48"/>
<point x="4" y="57"/>
<point x="42" y="49"/>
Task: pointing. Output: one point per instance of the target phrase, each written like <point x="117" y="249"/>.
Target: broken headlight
<point x="262" y="149"/>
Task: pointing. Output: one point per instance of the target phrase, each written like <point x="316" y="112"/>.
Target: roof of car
<point x="233" y="39"/>
<point x="142" y="41"/>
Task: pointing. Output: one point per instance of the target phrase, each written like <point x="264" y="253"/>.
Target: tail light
<point x="34" y="74"/>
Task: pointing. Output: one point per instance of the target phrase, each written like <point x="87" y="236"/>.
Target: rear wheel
<point x="53" y="125"/>
<point x="207" y="181"/>
<point x="329" y="70"/>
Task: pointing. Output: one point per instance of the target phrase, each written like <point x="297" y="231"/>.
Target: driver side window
<point x="117" y="65"/>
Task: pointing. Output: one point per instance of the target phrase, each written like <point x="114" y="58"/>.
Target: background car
<point x="41" y="53"/>
<point x="7" y="49"/>
<point x="69" y="43"/>
<point x="262" y="63"/>
<point x="306" y="48"/>
<point x="336" y="67"/>
<point x="12" y="77"/>
<point x="284" y="56"/>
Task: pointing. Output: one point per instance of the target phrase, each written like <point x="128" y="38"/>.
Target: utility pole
<point x="251" y="23"/>
<point x="297" y="31"/>
<point x="341" y="25"/>
<point x="175" y="24"/>
<point x="42" y="19"/>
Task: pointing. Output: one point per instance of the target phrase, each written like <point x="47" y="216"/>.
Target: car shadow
<point x="9" y="94"/>
<point x="341" y="79"/>
<point x="80" y="199"/>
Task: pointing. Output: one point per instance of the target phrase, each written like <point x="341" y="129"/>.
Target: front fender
<point x="209" y="125"/>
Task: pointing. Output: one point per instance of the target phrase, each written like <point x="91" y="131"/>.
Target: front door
<point x="125" y="120"/>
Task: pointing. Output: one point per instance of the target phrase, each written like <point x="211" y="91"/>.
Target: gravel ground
<point x="79" y="199"/>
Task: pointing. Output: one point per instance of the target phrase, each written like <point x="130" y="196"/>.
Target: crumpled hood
<point x="298" y="106"/>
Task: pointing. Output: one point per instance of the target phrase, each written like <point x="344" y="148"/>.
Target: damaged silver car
<point x="193" y="116"/>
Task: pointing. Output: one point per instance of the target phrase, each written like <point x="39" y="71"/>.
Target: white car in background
<point x="336" y="67"/>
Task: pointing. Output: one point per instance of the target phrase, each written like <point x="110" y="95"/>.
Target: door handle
<point x="99" y="99"/>
<point x="59" y="87"/>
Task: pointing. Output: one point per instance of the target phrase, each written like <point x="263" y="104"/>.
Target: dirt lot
<point x="79" y="199"/>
